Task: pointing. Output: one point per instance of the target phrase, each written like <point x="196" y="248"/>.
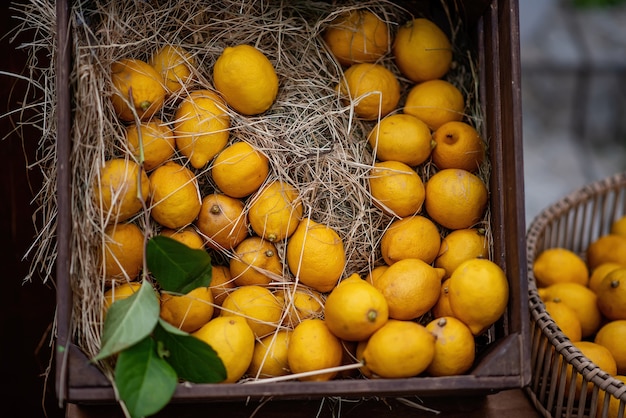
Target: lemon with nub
<point x="599" y="272"/>
<point x="565" y="317"/>
<point x="372" y="89"/>
<point x="411" y="237"/>
<point x="613" y="403"/>
<point x="618" y="226"/>
<point x="275" y="211"/>
<point x="246" y="78"/>
<point x="233" y="341"/>
<point x="354" y="310"/>
<point x="157" y="143"/>
<point x="201" y="126"/>
<point x="422" y="51"/>
<point x="123" y="251"/>
<point x="190" y="311"/>
<point x="612" y="335"/>
<point x="313" y="347"/>
<point x="460" y="245"/>
<point x="581" y="299"/>
<point x="269" y="358"/>
<point x="315" y="255"/>
<point x="357" y="36"/>
<point x="175" y="195"/>
<point x="118" y="292"/>
<point x="455" y="198"/>
<point x="479" y="293"/>
<point x="239" y="169"/>
<point x="435" y="102"/>
<point x="454" y="347"/>
<point x="118" y="187"/>
<point x="300" y="303"/>
<point x="258" y="305"/>
<point x="401" y="137"/>
<point x="396" y="188"/>
<point x="612" y="294"/>
<point x="403" y="281"/>
<point x="442" y="307"/>
<point x="399" y="349"/>
<point x="458" y="145"/>
<point x="137" y="89"/>
<point x="255" y="261"/>
<point x="223" y="221"/>
<point x="557" y="264"/>
<point x="221" y="283"/>
<point x="598" y="355"/>
<point x="175" y="65"/>
<point x="187" y="235"/>
<point x="609" y="247"/>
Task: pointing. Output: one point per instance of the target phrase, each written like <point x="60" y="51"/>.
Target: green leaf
<point x="145" y="382"/>
<point x="129" y="321"/>
<point x="193" y="359"/>
<point x="175" y="266"/>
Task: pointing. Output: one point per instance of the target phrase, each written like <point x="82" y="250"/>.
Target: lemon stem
<point x="372" y="314"/>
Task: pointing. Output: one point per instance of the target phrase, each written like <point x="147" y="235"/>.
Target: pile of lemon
<point x="283" y="303"/>
<point x="585" y="295"/>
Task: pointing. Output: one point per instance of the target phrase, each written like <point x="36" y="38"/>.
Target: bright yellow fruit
<point x="257" y="305"/>
<point x="600" y="356"/>
<point x="479" y="293"/>
<point x="146" y="85"/>
<point x="612" y="335"/>
<point x="354" y="310"/>
<point x="607" y="248"/>
<point x="460" y="245"/>
<point x="566" y="318"/>
<point x="554" y="265"/>
<point x="403" y="281"/>
<point x="275" y="211"/>
<point x="246" y="79"/>
<point x="123" y="251"/>
<point x="187" y="235"/>
<point x="422" y="51"/>
<point x="313" y="347"/>
<point x="255" y="261"/>
<point x="396" y="188"/>
<point x="357" y="36"/>
<point x="157" y="140"/>
<point x="614" y="403"/>
<point x="190" y="311"/>
<point x="401" y="137"/>
<point x="300" y="303"/>
<point x="270" y="356"/>
<point x="455" y="198"/>
<point x="375" y="273"/>
<point x="233" y="340"/>
<point x="239" y="169"/>
<point x="372" y="89"/>
<point x="442" y="307"/>
<point x="221" y="283"/>
<point x="612" y="294"/>
<point x="116" y="191"/>
<point x="399" y="349"/>
<point x="435" y="102"/>
<point x="175" y="195"/>
<point x="201" y="126"/>
<point x="598" y="273"/>
<point x="581" y="299"/>
<point x="618" y="227"/>
<point x="411" y="237"/>
<point x="315" y="255"/>
<point x="118" y="292"/>
<point x="175" y="65"/>
<point x="458" y="145"/>
<point x="222" y="221"/>
<point x="454" y="347"/>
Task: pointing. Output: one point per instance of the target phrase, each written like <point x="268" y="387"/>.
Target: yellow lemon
<point x="357" y="36"/>
<point x="460" y="245"/>
<point x="175" y="64"/>
<point x="233" y="341"/>
<point x="455" y="198"/>
<point x="618" y="226"/>
<point x="372" y="89"/>
<point x="612" y="335"/>
<point x="246" y="79"/>
<point x="313" y="347"/>
<point x="612" y="294"/>
<point x="405" y="279"/>
<point x="613" y="403"/>
<point x="201" y="126"/>
<point x="411" y="237"/>
<point x="116" y="190"/>
<point x="315" y="255"/>
<point x="422" y="51"/>
<point x="123" y="251"/>
<point x="600" y="356"/>
<point x="187" y="235"/>
<point x="478" y="293"/>
<point x="137" y="89"/>
<point x="375" y="273"/>
<point x="358" y="356"/>
<point x="458" y="145"/>
<point x="454" y="347"/>
<point x="118" y="292"/>
<point x="566" y="318"/>
<point x="175" y="195"/>
<point x="435" y="102"/>
<point x="275" y="211"/>
<point x="599" y="272"/>
<point x="399" y="349"/>
<point x="239" y="169"/>
<point x="255" y="261"/>
<point x="157" y="142"/>
<point x="257" y="304"/>
<point x="190" y="311"/>
<point x="581" y="299"/>
<point x="557" y="264"/>
<point x="442" y="307"/>
<point x="223" y="221"/>
<point x="396" y="188"/>
<point x="354" y="310"/>
<point x="270" y="356"/>
<point x="221" y="283"/>
<point x="300" y="303"/>
<point x="607" y="248"/>
<point x="401" y="137"/>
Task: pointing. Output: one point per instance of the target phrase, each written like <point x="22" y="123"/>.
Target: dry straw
<point x="311" y="138"/>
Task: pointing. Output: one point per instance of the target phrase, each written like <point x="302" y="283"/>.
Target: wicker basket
<point x="572" y="222"/>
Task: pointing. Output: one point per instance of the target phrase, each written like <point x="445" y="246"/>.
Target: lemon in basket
<point x="581" y="299"/>
<point x="313" y="347"/>
<point x="618" y="227"/>
<point x="372" y="89"/>
<point x="138" y="89"/>
<point x="275" y="211"/>
<point x="458" y="145"/>
<point x="222" y="221"/>
<point x="255" y="261"/>
<point x="410" y="237"/>
<point x="221" y="284"/>
<point x="123" y="251"/>
<point x="258" y="305"/>
<point x="190" y="311"/>
<point x="612" y="294"/>
<point x="246" y="78"/>
<point x="435" y="102"/>
<point x="454" y="347"/>
<point x="598" y="273"/>
<point x="565" y="317"/>
<point x="119" y="291"/>
<point x="300" y="303"/>
<point x="396" y="188"/>
<point x="599" y="355"/>
<point x="607" y="248"/>
<point x="460" y="245"/>
<point x="442" y="307"/>
<point x="557" y="265"/>
<point x="269" y="358"/>
<point x="401" y="137"/>
<point x="157" y="143"/>
<point x="612" y="335"/>
<point x="187" y="235"/>
<point x="175" y="65"/>
<point x="175" y="196"/>
<point x="239" y="169"/>
<point x="613" y="409"/>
